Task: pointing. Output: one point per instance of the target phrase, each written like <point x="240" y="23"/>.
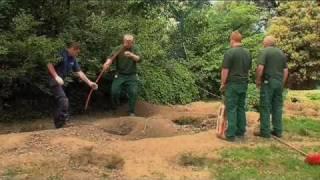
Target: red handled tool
<point x="99" y="77"/>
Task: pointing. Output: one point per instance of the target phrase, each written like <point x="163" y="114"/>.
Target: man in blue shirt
<point x="58" y="71"/>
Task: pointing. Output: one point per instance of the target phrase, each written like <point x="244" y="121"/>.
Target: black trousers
<point x="61" y="107"/>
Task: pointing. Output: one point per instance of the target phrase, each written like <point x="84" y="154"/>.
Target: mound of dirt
<point x="131" y="128"/>
<point x="143" y="109"/>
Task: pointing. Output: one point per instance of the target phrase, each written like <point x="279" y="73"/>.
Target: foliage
<point x="182" y="45"/>
<point x="253" y="98"/>
<point x="173" y="85"/>
<point x="207" y="38"/>
<point x="297" y="30"/>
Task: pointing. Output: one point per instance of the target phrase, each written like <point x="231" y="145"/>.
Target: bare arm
<point x="259" y="75"/>
<point x="133" y="56"/>
<point x="224" y="76"/>
<point x="54" y="74"/>
<point x="84" y="78"/>
<point x="107" y="64"/>
<point x="52" y="71"/>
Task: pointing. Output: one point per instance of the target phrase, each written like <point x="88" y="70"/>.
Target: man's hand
<point x="59" y="80"/>
<point x="132" y="56"/>
<point x="128" y="54"/>
<point x="222" y="88"/>
<point x="93" y="85"/>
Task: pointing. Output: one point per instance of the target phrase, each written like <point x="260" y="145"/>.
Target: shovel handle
<point x="290" y="146"/>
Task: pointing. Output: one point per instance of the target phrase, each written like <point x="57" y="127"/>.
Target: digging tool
<point x="145" y="126"/>
<point x="222" y="122"/>
<point x="99" y="77"/>
<point x="311" y="159"/>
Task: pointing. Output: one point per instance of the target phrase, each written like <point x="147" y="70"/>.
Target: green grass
<point x="313" y="96"/>
<point x="11" y="173"/>
<point x="262" y="163"/>
<point x="302" y="126"/>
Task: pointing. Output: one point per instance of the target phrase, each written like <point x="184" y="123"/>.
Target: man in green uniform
<point x="127" y="57"/>
<point x="272" y="74"/>
<point x="234" y="83"/>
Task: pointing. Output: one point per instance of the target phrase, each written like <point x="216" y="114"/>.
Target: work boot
<point x="59" y="124"/>
<point x="258" y="133"/>
<point x="276" y="134"/>
<point x="223" y="137"/>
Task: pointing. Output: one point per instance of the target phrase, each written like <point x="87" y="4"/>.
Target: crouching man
<point x="58" y="71"/>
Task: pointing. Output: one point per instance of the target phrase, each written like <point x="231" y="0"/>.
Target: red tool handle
<point x="91" y="91"/>
<point x="99" y="77"/>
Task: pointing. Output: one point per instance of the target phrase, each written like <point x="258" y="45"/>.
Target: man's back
<point x="238" y="61"/>
<point x="274" y="61"/>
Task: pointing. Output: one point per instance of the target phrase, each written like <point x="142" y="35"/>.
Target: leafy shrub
<point x="174" y="85"/>
<point x="253" y="98"/>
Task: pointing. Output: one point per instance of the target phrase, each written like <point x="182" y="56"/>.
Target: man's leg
<point x="277" y="103"/>
<point x="116" y="91"/>
<point x="241" y="112"/>
<point x="132" y="90"/>
<point x="231" y="105"/>
<point x="62" y="106"/>
<point x="265" y="108"/>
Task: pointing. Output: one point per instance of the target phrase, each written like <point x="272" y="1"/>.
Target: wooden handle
<point x="99" y="77"/>
<point x="292" y="147"/>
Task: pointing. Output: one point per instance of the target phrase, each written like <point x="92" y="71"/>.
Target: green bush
<point x="253" y="98"/>
<point x="171" y="85"/>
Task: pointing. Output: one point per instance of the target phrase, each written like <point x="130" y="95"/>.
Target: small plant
<point x="314" y="97"/>
<point x="114" y="162"/>
<point x="189" y="159"/>
<point x="11" y="173"/>
<point x="187" y="121"/>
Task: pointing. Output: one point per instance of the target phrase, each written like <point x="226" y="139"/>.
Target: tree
<point x="297" y="29"/>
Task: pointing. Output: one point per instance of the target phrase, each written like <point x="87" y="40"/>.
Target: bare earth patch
<point x="145" y="147"/>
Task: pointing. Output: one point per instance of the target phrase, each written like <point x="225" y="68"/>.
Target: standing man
<point x="272" y="75"/>
<point x="234" y="83"/>
<point x="127" y="57"/>
<point x="67" y="62"/>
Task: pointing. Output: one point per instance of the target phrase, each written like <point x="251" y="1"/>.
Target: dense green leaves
<point x="182" y="45"/>
<point x="297" y="30"/>
<point x="207" y="38"/>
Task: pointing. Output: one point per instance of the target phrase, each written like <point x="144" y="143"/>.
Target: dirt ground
<point x="104" y="146"/>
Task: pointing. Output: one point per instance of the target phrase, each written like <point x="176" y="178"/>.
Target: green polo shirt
<point x="125" y="65"/>
<point x="274" y="62"/>
<point x="238" y="61"/>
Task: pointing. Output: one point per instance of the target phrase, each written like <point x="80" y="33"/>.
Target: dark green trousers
<point x="235" y="103"/>
<point x="128" y="83"/>
<point x="271" y="102"/>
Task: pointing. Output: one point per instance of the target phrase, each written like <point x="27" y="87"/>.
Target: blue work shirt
<point x="64" y="66"/>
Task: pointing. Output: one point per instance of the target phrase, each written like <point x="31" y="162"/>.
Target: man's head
<point x="128" y="41"/>
<point x="269" y="41"/>
<point x="235" y="38"/>
<point x="73" y="48"/>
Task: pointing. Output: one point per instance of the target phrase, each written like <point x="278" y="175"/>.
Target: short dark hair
<point x="236" y="36"/>
<point x="73" y="44"/>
